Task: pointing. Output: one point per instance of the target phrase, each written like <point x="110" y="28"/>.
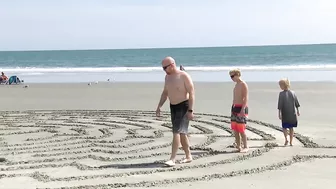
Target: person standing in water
<point x="179" y="88"/>
<point x="287" y="103"/>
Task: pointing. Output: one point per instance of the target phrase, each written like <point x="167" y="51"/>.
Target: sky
<point x="109" y="24"/>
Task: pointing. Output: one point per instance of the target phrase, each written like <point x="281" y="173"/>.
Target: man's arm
<point x="279" y="105"/>
<point x="296" y="103"/>
<point x="164" y="95"/>
<point x="244" y="95"/>
<point x="280" y="101"/>
<point x="190" y="89"/>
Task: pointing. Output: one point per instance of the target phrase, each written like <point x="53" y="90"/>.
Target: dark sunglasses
<point x="165" y="67"/>
<point x="232" y="76"/>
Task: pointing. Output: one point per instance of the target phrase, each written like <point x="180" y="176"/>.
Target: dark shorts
<point x="179" y="117"/>
<point x="289" y="125"/>
<point x="238" y="122"/>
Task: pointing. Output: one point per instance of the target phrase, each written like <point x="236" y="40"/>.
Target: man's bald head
<point x="167" y="61"/>
<point x="168" y="65"/>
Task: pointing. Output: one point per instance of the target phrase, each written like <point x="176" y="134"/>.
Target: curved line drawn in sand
<point x="78" y="149"/>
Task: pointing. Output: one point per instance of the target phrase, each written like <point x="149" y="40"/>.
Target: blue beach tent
<point x="14" y="80"/>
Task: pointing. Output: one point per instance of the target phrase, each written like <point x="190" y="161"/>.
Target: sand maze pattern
<point x="99" y="149"/>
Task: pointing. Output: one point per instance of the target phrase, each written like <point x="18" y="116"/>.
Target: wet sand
<point x="106" y="135"/>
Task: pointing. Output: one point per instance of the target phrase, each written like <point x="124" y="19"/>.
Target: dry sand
<point x="53" y="136"/>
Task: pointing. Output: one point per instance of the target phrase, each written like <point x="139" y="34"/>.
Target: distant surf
<point x="37" y="71"/>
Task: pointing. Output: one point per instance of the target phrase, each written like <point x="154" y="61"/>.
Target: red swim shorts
<point x="238" y="122"/>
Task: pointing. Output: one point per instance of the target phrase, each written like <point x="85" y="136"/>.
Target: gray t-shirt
<point x="287" y="103"/>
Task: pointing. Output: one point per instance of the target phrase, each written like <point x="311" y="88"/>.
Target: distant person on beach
<point x="179" y="88"/>
<point x="239" y="110"/>
<point x="182" y="68"/>
<point x="3" y="78"/>
<point x="287" y="103"/>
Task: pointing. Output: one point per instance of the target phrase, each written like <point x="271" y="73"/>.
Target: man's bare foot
<point x="235" y="145"/>
<point x="239" y="149"/>
<point x="244" y="150"/>
<point x="291" y="144"/>
<point x="170" y="163"/>
<point x="286" y="143"/>
<point x="186" y="160"/>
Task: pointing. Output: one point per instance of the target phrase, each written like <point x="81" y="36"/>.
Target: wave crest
<point x="151" y="69"/>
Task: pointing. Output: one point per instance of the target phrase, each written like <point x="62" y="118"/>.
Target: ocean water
<point x="259" y="63"/>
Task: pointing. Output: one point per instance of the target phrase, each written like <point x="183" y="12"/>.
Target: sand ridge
<point x="126" y="148"/>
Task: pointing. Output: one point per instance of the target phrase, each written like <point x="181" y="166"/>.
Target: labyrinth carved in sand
<point x="126" y="148"/>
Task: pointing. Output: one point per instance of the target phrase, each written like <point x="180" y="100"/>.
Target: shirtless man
<point x="3" y="78"/>
<point x="239" y="110"/>
<point x="179" y="88"/>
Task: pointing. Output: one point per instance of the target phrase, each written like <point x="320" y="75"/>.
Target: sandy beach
<point x="106" y="135"/>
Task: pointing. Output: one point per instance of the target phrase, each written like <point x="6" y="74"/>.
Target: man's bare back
<point x="177" y="91"/>
<point x="238" y="92"/>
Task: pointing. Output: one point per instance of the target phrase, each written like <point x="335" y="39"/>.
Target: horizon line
<point x="183" y="47"/>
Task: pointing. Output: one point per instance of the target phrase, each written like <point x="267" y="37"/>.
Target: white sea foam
<point x="33" y="70"/>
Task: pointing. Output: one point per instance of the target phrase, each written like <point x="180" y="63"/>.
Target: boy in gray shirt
<point x="287" y="103"/>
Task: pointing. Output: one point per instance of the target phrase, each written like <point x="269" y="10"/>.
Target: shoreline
<point x="197" y="76"/>
<point x="107" y="83"/>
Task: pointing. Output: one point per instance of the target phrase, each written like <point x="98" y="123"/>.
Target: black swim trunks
<point x="179" y="117"/>
<point x="235" y="110"/>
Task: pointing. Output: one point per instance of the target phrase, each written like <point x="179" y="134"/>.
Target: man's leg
<point x="237" y="143"/>
<point x="178" y="122"/>
<point x="175" y="146"/>
<point x="291" y="135"/>
<point x="237" y="139"/>
<point x="176" y="139"/>
<point x="184" y="124"/>
<point x="186" y="147"/>
<point x="240" y="129"/>
<point x="244" y="138"/>
<point x="285" y="132"/>
<point x="241" y="121"/>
